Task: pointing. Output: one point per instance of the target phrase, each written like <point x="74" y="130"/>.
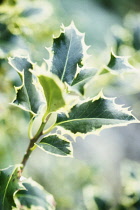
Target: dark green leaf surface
<point x="9" y="184"/>
<point x="27" y="96"/>
<point x="68" y="50"/>
<point x="56" y="144"/>
<point x="119" y="63"/>
<point x="82" y="78"/>
<point x="34" y="197"/>
<point x="95" y="115"/>
<point x="52" y="91"/>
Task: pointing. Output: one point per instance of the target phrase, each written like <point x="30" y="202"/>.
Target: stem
<point x="30" y="128"/>
<point x="33" y="140"/>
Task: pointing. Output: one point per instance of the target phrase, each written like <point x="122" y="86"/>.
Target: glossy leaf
<point x="119" y="63"/>
<point x="82" y="78"/>
<point x="56" y="144"/>
<point x="35" y="197"/>
<point x="27" y="95"/>
<point x="95" y="115"/>
<point x="9" y="185"/>
<point x="117" y="78"/>
<point x="68" y="50"/>
<point x="52" y="88"/>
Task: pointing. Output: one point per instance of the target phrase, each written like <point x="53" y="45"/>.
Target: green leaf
<point x="117" y="78"/>
<point x="52" y="88"/>
<point x="9" y="185"/>
<point x="56" y="144"/>
<point x="34" y="197"/>
<point x="68" y="50"/>
<point x="27" y="95"/>
<point x="95" y="115"/>
<point x="82" y="78"/>
<point x="119" y="63"/>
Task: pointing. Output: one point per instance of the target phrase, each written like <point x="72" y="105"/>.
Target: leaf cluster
<point x="58" y="90"/>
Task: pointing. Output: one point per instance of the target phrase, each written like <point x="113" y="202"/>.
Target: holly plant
<point x="54" y="95"/>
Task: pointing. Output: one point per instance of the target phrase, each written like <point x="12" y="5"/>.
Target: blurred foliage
<point x="127" y="38"/>
<point x="121" y="7"/>
<point x="130" y="195"/>
<point x="26" y="27"/>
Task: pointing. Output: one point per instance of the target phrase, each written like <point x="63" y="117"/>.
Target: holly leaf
<point x="94" y="115"/>
<point x="27" y="95"/>
<point x="56" y="144"/>
<point x="34" y="197"/>
<point x="117" y="77"/>
<point x="82" y="78"/>
<point x="52" y="88"/>
<point x="9" y="185"/>
<point x="120" y="64"/>
<point x="68" y="50"/>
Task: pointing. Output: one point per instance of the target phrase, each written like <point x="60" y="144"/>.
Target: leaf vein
<point x="67" y="56"/>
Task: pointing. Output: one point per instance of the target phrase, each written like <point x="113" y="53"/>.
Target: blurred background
<point x="105" y="171"/>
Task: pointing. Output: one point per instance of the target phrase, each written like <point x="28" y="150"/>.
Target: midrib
<point x="66" y="62"/>
<point x="7" y="188"/>
<point x="71" y="120"/>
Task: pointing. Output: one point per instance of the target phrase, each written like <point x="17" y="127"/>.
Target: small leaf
<point x="82" y="78"/>
<point x="28" y="97"/>
<point x="95" y="115"/>
<point x="34" y="197"/>
<point x="68" y="50"/>
<point x="56" y="144"/>
<point x="9" y="185"/>
<point x="52" y="88"/>
<point x="119" y="63"/>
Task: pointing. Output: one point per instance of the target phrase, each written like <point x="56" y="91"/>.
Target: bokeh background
<point x="105" y="171"/>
